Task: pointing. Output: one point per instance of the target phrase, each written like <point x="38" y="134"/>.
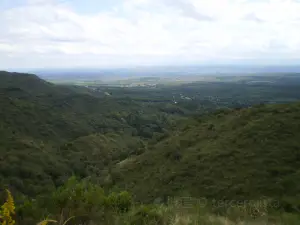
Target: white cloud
<point x="54" y="33"/>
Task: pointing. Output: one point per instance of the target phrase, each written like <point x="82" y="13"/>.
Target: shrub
<point x="146" y="215"/>
<point x="120" y="202"/>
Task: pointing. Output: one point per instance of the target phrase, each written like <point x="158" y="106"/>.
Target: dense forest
<point x="117" y="155"/>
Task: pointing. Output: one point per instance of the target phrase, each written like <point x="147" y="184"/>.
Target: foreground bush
<point x="145" y="215"/>
<point x="80" y="202"/>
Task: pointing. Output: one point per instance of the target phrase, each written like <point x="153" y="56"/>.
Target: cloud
<point x="52" y="33"/>
<point x="252" y="17"/>
<point x="188" y="9"/>
<point x="34" y="2"/>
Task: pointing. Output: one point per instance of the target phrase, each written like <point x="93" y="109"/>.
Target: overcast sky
<point x="105" y="33"/>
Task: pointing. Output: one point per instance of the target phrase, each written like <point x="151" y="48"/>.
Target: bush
<point x="146" y="215"/>
<point x="77" y="201"/>
<point x="120" y="202"/>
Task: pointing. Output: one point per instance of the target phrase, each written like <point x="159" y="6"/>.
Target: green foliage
<point x="243" y="154"/>
<point x="83" y="202"/>
<point x="140" y="140"/>
<point x="146" y="215"/>
<point x="119" y="202"/>
<point x="49" y="132"/>
<point x="77" y="197"/>
<point x="81" y="199"/>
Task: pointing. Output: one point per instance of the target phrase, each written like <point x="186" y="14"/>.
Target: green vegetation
<point x="49" y="132"/>
<point x="209" y="94"/>
<point x="230" y="154"/>
<point x="129" y="151"/>
<point x="83" y="202"/>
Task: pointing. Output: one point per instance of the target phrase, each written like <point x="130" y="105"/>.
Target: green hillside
<point x="49" y="132"/>
<point x="231" y="154"/>
<point x="147" y="145"/>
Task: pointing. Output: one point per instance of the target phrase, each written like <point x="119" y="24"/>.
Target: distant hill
<point x="230" y="154"/>
<point x="110" y="74"/>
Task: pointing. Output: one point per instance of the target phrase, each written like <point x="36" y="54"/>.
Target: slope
<point x="231" y="154"/>
<point x="49" y="132"/>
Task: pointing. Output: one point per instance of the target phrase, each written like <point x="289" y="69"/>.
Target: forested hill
<point x="229" y="154"/>
<point x="48" y="112"/>
<point x="49" y="132"/>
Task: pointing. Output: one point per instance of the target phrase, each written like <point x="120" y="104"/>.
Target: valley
<point x="227" y="139"/>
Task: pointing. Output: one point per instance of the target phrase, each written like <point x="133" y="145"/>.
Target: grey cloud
<point x="188" y="10"/>
<point x="46" y="34"/>
<point x="41" y="24"/>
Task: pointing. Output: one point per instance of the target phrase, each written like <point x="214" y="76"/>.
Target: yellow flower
<point x="7" y="209"/>
<point x="10" y="202"/>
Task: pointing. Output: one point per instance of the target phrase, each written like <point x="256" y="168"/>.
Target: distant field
<point x="176" y="80"/>
<point x="197" y="94"/>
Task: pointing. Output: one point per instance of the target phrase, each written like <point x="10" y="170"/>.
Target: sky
<point x="118" y="33"/>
